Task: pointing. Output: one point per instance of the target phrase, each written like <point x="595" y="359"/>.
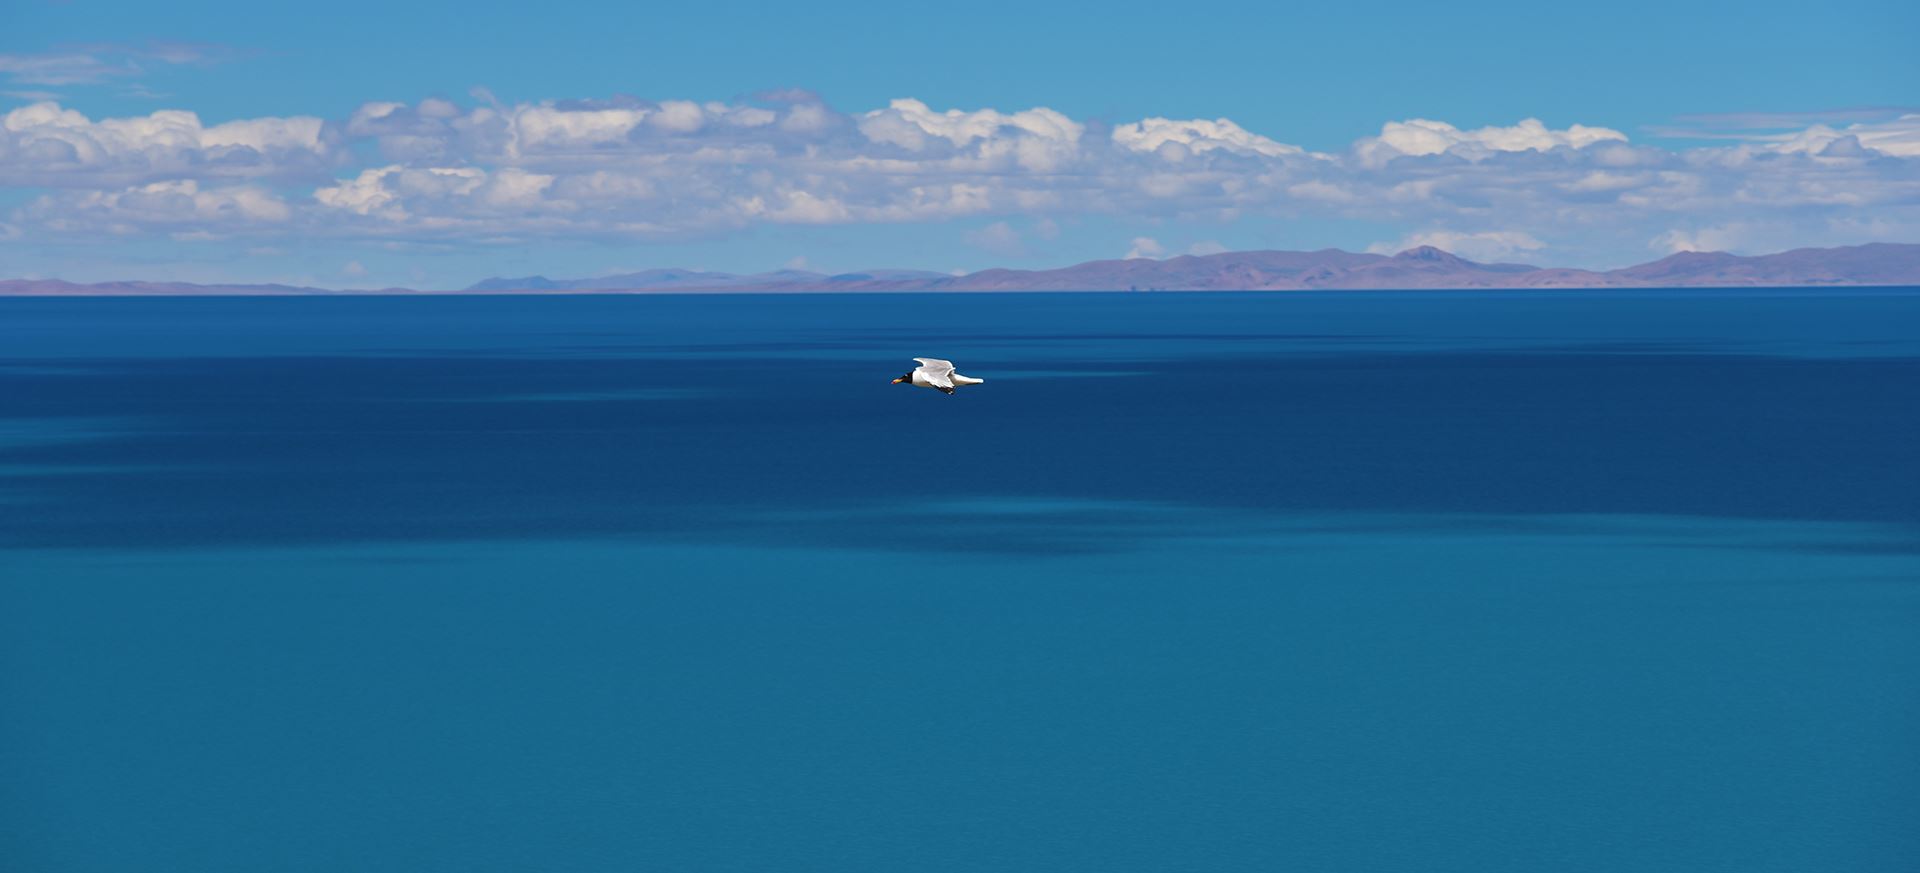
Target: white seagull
<point x="937" y="374"/>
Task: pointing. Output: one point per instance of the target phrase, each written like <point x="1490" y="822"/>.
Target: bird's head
<point x="908" y="377"/>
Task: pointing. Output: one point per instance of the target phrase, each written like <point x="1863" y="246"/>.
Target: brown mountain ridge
<point x="1426" y="267"/>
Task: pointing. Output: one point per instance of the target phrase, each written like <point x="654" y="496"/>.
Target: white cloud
<point x="625" y="168"/>
<point x="1420" y="136"/>
<point x="299" y="133"/>
<point x="796" y="207"/>
<point x="1206" y="247"/>
<point x="383" y="192"/>
<point x="999" y="238"/>
<point x="1145" y="247"/>
<point x="1674" y="241"/>
<point x="1325" y="192"/>
<point x="46" y="145"/>
<point x="516" y="187"/>
<point x="548" y="127"/>
<point x="907" y="123"/>
<point x="1765" y="234"/>
<point x="173" y="206"/>
<point x="1492" y="245"/>
<point x="102" y="62"/>
<point x="364" y="119"/>
<point x="1039" y="139"/>
<point x="1193" y="136"/>
<point x="810" y="118"/>
<point x="679" y="116"/>
<point x="1899" y="137"/>
<point x="61" y="68"/>
<point x="1601" y="180"/>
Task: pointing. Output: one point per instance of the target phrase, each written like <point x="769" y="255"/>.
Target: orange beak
<point x="900" y="380"/>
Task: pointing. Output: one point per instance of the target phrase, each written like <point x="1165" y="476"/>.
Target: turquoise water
<point x="1348" y="581"/>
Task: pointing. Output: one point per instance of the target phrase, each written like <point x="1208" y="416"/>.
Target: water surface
<point x="1373" y="581"/>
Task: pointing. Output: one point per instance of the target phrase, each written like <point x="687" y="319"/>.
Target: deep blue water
<point x="1623" y="581"/>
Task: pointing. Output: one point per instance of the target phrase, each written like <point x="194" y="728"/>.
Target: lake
<point x="1382" y="581"/>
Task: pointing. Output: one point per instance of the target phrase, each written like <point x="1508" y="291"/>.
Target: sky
<point x="431" y="145"/>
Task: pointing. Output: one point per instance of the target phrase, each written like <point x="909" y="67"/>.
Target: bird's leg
<point x="944" y="390"/>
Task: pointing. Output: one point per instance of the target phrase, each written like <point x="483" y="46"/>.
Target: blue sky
<point x="596" y="137"/>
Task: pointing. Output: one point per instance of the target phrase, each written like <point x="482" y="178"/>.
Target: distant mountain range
<point x="1425" y="267"/>
<point x="695" y="280"/>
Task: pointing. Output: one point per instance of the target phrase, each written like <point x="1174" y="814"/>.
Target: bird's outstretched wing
<point x="938" y="373"/>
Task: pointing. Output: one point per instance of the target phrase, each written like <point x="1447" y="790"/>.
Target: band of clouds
<point x="105" y="62"/>
<point x="485" y="172"/>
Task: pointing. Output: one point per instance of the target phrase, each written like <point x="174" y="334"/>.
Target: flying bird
<point x="937" y="374"/>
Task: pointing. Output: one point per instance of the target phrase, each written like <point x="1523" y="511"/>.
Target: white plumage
<point x="938" y="375"/>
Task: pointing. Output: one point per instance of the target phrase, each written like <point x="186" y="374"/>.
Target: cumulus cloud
<point x="45" y="145"/>
<point x="1039" y="140"/>
<point x="1420" y="136"/>
<point x="909" y="122"/>
<point x="178" y="206"/>
<point x="624" y="167"/>
<point x="1145" y="247"/>
<point x="1177" y="140"/>
<point x="1493" y="245"/>
<point x="1899" y="137"/>
<point x="443" y="201"/>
